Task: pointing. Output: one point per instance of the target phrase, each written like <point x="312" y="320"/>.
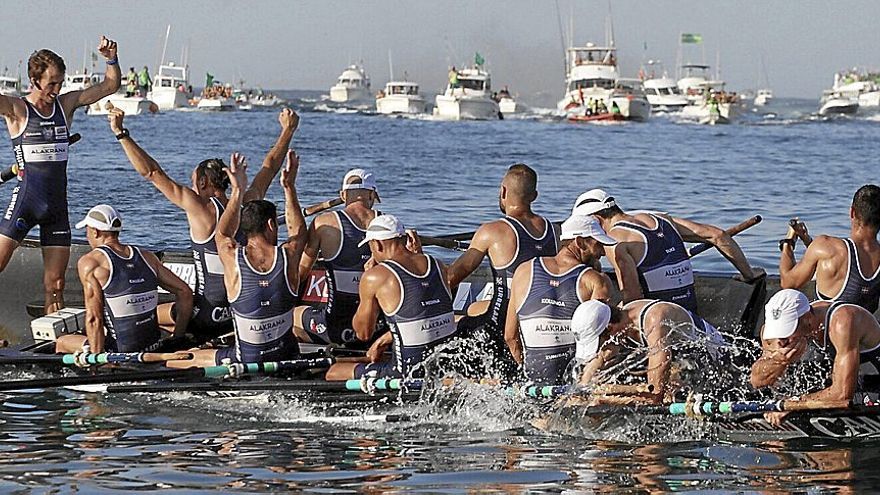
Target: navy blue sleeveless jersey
<point x="856" y="289"/>
<point x="211" y="313"/>
<point x="263" y="312"/>
<point x="665" y="271"/>
<point x="869" y="359"/>
<point x="40" y="197"/>
<point x="527" y="248"/>
<point x="545" y="322"/>
<point x="130" y="299"/>
<point x="422" y="320"/>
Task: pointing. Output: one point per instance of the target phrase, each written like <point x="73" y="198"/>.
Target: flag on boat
<point x="94" y="57"/>
<point x="209" y="80"/>
<point x="478" y="59"/>
<point x="691" y="38"/>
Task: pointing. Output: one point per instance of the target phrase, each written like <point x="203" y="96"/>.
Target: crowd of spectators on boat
<point x="217" y="92"/>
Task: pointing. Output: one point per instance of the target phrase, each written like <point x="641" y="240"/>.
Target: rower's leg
<point x="201" y="359"/>
<point x="55" y="260"/>
<point x="67" y="344"/>
<point x="7" y="247"/>
<point x="298" y="327"/>
<point x="165" y="315"/>
<point x="478" y="308"/>
<point x="341" y="372"/>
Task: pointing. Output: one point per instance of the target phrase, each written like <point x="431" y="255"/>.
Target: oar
<point x="95" y="359"/>
<point x="381" y="384"/>
<point x="443" y="242"/>
<point x="11" y="172"/>
<point x="314" y="209"/>
<point x="736" y="229"/>
<point x="168" y="374"/>
<point x="699" y="409"/>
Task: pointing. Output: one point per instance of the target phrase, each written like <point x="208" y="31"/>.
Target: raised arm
<point x="691" y="231"/>
<point x="311" y="251"/>
<point x="94" y="302"/>
<point x="364" y="320"/>
<point x="229" y="221"/>
<point x="110" y="84"/>
<point x="183" y="197"/>
<point x="296" y="223"/>
<point x="470" y="260"/>
<point x="183" y="295"/>
<point x="289" y="121"/>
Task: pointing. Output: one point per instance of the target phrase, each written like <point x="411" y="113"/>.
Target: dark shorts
<point x="324" y="330"/>
<point x="28" y="209"/>
<point x="288" y="349"/>
<point x="376" y="370"/>
<point x="111" y="345"/>
<point x="208" y="321"/>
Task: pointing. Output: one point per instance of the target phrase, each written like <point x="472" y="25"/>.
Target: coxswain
<point x="847" y="331"/>
<point x="606" y="334"/>
<point x="517" y="237"/>
<point x="410" y="288"/>
<point x="650" y="259"/>
<point x="261" y="277"/>
<point x="204" y="203"/>
<point x="544" y="294"/>
<point x="120" y="284"/>
<point x="39" y="125"/>
<point x="839" y="265"/>
<point x="337" y="238"/>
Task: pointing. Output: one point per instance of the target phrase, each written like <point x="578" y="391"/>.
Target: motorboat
<point x="507" y="104"/>
<point x="10" y="86"/>
<point x="838" y="103"/>
<point x="131" y="105"/>
<point x="763" y="97"/>
<point x="217" y="97"/>
<point x="400" y="97"/>
<point x="693" y="82"/>
<point x="593" y="86"/>
<point x="716" y="107"/>
<point x="352" y="86"/>
<point x="80" y="81"/>
<point x="863" y="83"/>
<point x="171" y="88"/>
<point x="260" y="98"/>
<point x="661" y="90"/>
<point x="468" y="98"/>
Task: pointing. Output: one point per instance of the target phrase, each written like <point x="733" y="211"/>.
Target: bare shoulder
<point x="90" y="261"/>
<point x="828" y="245"/>
<point x="326" y="219"/>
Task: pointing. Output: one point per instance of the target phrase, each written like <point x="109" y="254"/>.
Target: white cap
<point x="592" y="201"/>
<point x="367" y="180"/>
<point x="588" y="323"/>
<point x="585" y="226"/>
<point x="382" y="228"/>
<point x="782" y="312"/>
<point x="102" y="217"/>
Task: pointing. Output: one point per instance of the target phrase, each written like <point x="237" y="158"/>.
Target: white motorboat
<point x="469" y="98"/>
<point x="661" y="90"/>
<point x="838" y="103"/>
<point x="507" y="104"/>
<point x="716" y="107"/>
<point x="352" y="86"/>
<point x="10" y="86"/>
<point x="260" y="98"/>
<point x="79" y="82"/>
<point x="171" y="88"/>
<point x="400" y="97"/>
<point x="216" y="103"/>
<point x="863" y="83"/>
<point x="693" y="83"/>
<point x="131" y="105"/>
<point x="594" y="89"/>
<point x="763" y="97"/>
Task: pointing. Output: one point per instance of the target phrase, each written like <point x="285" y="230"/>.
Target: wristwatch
<point x="783" y="242"/>
<point x="122" y="135"/>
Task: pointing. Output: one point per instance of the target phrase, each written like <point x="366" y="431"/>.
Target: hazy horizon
<point x="305" y="45"/>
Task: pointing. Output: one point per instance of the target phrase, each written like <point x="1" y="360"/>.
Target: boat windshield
<point x="474" y="84"/>
<point x="591" y="83"/>
<point x="8" y="84"/>
<point x="404" y="90"/>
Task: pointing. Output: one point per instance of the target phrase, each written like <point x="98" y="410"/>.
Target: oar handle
<point x="443" y="242"/>
<point x="322" y="206"/>
<point x="732" y="231"/>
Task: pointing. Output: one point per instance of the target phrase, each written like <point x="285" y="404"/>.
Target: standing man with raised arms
<point x="39" y="125"/>
<point x="203" y="204"/>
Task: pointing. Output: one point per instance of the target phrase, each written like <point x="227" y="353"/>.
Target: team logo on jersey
<point x="264" y="283"/>
<point x="316" y="327"/>
<point x="425" y="284"/>
<point x="660" y="235"/>
<point x="554" y="283"/>
<point x="61" y="132"/>
<point x="47" y="133"/>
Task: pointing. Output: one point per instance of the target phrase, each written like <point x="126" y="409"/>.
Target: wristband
<point x="783" y="242"/>
<point x="113" y="61"/>
<point x="122" y="135"/>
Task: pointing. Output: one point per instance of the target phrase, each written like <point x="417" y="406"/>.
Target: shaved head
<point x="521" y="182"/>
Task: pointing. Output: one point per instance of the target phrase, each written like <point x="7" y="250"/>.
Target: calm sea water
<point x="442" y="177"/>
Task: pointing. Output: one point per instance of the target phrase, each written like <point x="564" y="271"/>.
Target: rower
<point x="203" y="204"/>
<point x="261" y="277"/>
<point x="337" y="238"/>
<point x="544" y="294"/>
<point x="837" y="264"/>
<point x="410" y="288"/>
<point x="650" y="259"/>
<point x="848" y="331"/>
<point x="509" y="241"/>
<point x="601" y="332"/>
<point x="39" y="125"/>
<point x="120" y="284"/>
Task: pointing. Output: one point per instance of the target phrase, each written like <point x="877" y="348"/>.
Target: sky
<point x="306" y="44"/>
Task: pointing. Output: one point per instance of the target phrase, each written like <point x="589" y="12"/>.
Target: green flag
<point x="691" y="38"/>
<point x="478" y="59"/>
<point x="209" y="80"/>
<point x="94" y="57"/>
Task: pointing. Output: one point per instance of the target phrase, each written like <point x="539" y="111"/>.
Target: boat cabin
<point x="170" y="76"/>
<point x="474" y="80"/>
<point x="401" y="88"/>
<point x="8" y="85"/>
<point x="353" y="77"/>
<point x="592" y="55"/>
